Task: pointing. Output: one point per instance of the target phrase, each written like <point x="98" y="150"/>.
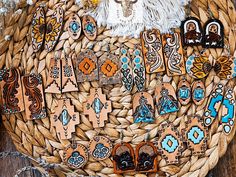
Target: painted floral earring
<point x="138" y="70"/>
<point x="126" y="70"/>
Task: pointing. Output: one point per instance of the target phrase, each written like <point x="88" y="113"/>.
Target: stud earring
<point x="126" y="70"/>
<point x="146" y="157"/>
<point x="138" y="70"/>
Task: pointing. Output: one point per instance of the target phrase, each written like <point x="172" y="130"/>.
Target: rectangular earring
<point x="54" y="75"/>
<point x="68" y="79"/>
<point x="33" y="96"/>
<point x="11" y="91"/>
<point x="173" y="54"/>
<point x="152" y="51"/>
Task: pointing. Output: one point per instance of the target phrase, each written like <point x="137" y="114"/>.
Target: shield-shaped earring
<point x="213" y="34"/>
<point x="38" y="28"/>
<point x="139" y="75"/>
<point x="143" y="108"/>
<point x="191" y="31"/>
<point x="166" y="100"/>
<point x="11" y="91"/>
<point x="126" y="69"/>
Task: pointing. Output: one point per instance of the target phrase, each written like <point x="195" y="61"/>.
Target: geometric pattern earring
<point x="126" y="70"/>
<point x="184" y="92"/>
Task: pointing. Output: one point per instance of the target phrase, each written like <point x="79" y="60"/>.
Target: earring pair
<point x="196" y="92"/>
<point x="46" y="31"/>
<point x="132" y="70"/>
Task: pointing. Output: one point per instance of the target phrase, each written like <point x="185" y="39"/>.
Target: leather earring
<point x="184" y="92"/>
<point x="74" y="26"/>
<point x="198" y="92"/>
<point x="139" y="75"/>
<point x="126" y="70"/>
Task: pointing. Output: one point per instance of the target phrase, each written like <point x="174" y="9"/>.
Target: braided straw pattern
<point x="38" y="138"/>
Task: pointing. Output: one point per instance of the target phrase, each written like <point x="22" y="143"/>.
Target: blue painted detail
<point x="169" y="144"/>
<point x="230" y="114"/>
<point x="213" y="102"/>
<point x="125" y="66"/>
<point x="195" y="134"/>
<point x="64" y="117"/>
<point x="137" y="52"/>
<point x="167" y="103"/>
<point x="97" y="105"/>
<point x="137" y="60"/>
<point x="74" y="26"/>
<point x="100" y="151"/>
<point x="76" y="159"/>
<point x="144" y="112"/>
<point x="123" y="51"/>
<point x="184" y="93"/>
<point x="90" y="28"/>
<point x="124" y="59"/>
<point x="198" y="94"/>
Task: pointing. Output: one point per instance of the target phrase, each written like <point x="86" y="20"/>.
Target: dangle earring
<point x="126" y="69"/>
<point x="109" y="66"/>
<point x="191" y="30"/>
<point x="146" y="156"/>
<point x="213" y="33"/>
<point x="138" y="70"/>
<point x="184" y="92"/>
<point x="198" y="92"/>
<point x="123" y="157"/>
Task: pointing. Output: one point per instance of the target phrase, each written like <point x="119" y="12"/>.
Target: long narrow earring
<point x="126" y="70"/>
<point x="68" y="79"/>
<point x="138" y="70"/>
<point x="54" y="75"/>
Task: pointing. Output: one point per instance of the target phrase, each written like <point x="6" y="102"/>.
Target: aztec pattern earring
<point x="213" y="34"/>
<point x="143" y="108"/>
<point x="65" y="118"/>
<point x="54" y="78"/>
<point x="123" y="158"/>
<point x="196" y="135"/>
<point x="146" y="157"/>
<point x="35" y="107"/>
<point x="152" y="51"/>
<point x="54" y="27"/>
<point x="89" y="27"/>
<point x="75" y="156"/>
<point x="68" y="79"/>
<point x="87" y="66"/>
<point x="213" y="105"/>
<point x="170" y="143"/>
<point x="11" y="91"/>
<point x="74" y="26"/>
<point x="228" y="111"/>
<point x="198" y="92"/>
<point x="184" y="92"/>
<point x="126" y="70"/>
<point x="100" y="147"/>
<point x="191" y="31"/>
<point x="38" y="28"/>
<point x="97" y="107"/>
<point x="173" y="54"/>
<point x="109" y="66"/>
<point x="166" y="99"/>
<point x="138" y="70"/>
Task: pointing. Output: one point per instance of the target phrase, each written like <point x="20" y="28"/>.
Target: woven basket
<point x="39" y="139"/>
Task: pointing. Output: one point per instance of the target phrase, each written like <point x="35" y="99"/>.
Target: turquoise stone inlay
<point x="65" y="117"/>
<point x="169" y="143"/>
<point x="184" y="93"/>
<point x="196" y="135"/>
<point x="74" y="26"/>
<point x="90" y="28"/>
<point x="198" y="94"/>
<point x="97" y="105"/>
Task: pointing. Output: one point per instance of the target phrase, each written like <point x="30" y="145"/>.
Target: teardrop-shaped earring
<point x="126" y="70"/>
<point x="138" y="70"/>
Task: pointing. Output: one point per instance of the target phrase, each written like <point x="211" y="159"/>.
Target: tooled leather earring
<point x="184" y="92"/>
<point x="126" y="70"/>
<point x="138" y="70"/>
